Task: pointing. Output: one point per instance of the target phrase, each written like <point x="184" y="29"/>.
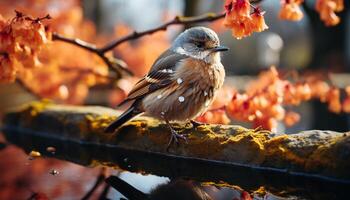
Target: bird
<point x="181" y="83"/>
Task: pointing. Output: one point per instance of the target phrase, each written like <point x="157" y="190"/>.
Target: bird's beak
<point x="220" y="48"/>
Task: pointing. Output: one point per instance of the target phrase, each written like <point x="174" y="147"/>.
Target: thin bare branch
<point x="209" y="17"/>
<point x="119" y="67"/>
<point x="76" y="42"/>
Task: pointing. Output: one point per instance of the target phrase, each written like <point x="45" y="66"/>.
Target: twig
<point x="117" y="66"/>
<point x="100" y="179"/>
<point x="77" y="42"/>
<point x="125" y="188"/>
<point x="28" y="89"/>
<point x="209" y="17"/>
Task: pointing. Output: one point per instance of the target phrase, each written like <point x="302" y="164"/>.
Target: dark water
<point x="143" y="175"/>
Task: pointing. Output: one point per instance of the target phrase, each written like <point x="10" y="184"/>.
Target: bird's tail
<point x="126" y="116"/>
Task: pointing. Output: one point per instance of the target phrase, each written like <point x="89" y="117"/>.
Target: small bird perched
<point x="181" y="83"/>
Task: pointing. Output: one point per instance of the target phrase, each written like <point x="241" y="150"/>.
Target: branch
<point x="125" y="188"/>
<point x="76" y="42"/>
<point x="143" y="140"/>
<point x="209" y="17"/>
<point x="114" y="64"/>
<point x="118" y="65"/>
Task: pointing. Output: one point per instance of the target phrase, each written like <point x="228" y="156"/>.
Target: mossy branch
<point x="316" y="153"/>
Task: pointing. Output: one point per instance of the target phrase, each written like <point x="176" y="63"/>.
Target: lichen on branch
<point x="313" y="152"/>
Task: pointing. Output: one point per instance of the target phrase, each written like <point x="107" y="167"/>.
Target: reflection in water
<point x="186" y="189"/>
<point x="179" y="189"/>
<point x="177" y="178"/>
<point x="143" y="182"/>
<point x="173" y="190"/>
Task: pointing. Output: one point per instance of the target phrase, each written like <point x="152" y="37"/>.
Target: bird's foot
<point x="175" y="137"/>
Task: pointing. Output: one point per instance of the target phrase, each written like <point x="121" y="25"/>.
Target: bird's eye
<point x="200" y="45"/>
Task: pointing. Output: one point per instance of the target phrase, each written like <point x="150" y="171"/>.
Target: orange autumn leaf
<point x="291" y="118"/>
<point x="8" y="68"/>
<point x="258" y="22"/>
<point x="21" y="39"/>
<point x="263" y="102"/>
<point x="217" y="116"/>
<point x="238" y="9"/>
<point x="347" y="90"/>
<point x="327" y="9"/>
<point x="346" y="105"/>
<point x="38" y="60"/>
<point x="290" y="10"/>
<point x="333" y="97"/>
<point x="241" y="21"/>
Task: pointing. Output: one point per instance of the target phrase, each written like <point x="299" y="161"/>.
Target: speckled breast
<point x="192" y="91"/>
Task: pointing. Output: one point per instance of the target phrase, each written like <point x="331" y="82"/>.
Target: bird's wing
<point x="159" y="76"/>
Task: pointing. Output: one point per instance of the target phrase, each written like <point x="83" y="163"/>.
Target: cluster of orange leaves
<point x="68" y="77"/>
<point x="50" y="69"/>
<point x="290" y="10"/>
<point x="240" y="19"/>
<point x="20" y="41"/>
<point x="244" y="22"/>
<point x="264" y="100"/>
<point x="327" y="9"/>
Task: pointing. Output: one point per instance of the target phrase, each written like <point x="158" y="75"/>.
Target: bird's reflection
<point x="204" y="180"/>
<point x="173" y="190"/>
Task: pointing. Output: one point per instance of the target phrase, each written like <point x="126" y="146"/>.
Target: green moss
<point x="216" y="142"/>
<point x="38" y="106"/>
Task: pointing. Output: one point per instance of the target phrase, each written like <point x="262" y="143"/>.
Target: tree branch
<point x="141" y="144"/>
<point x="209" y="17"/>
<point x="118" y="65"/>
<point x="76" y="42"/>
<point x="114" y="64"/>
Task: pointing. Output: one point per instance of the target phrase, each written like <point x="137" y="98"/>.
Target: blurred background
<point x="302" y="45"/>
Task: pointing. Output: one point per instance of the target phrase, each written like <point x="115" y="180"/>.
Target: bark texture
<point x="315" y="152"/>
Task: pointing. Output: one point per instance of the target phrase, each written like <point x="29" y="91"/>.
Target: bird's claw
<point x="175" y="138"/>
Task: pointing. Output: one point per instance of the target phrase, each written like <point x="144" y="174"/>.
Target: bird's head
<point x="200" y="43"/>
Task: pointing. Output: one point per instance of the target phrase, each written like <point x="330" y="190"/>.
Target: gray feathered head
<point x="197" y="42"/>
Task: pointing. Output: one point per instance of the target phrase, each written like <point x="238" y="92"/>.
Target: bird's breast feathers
<point x="198" y="72"/>
<point x="192" y="90"/>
